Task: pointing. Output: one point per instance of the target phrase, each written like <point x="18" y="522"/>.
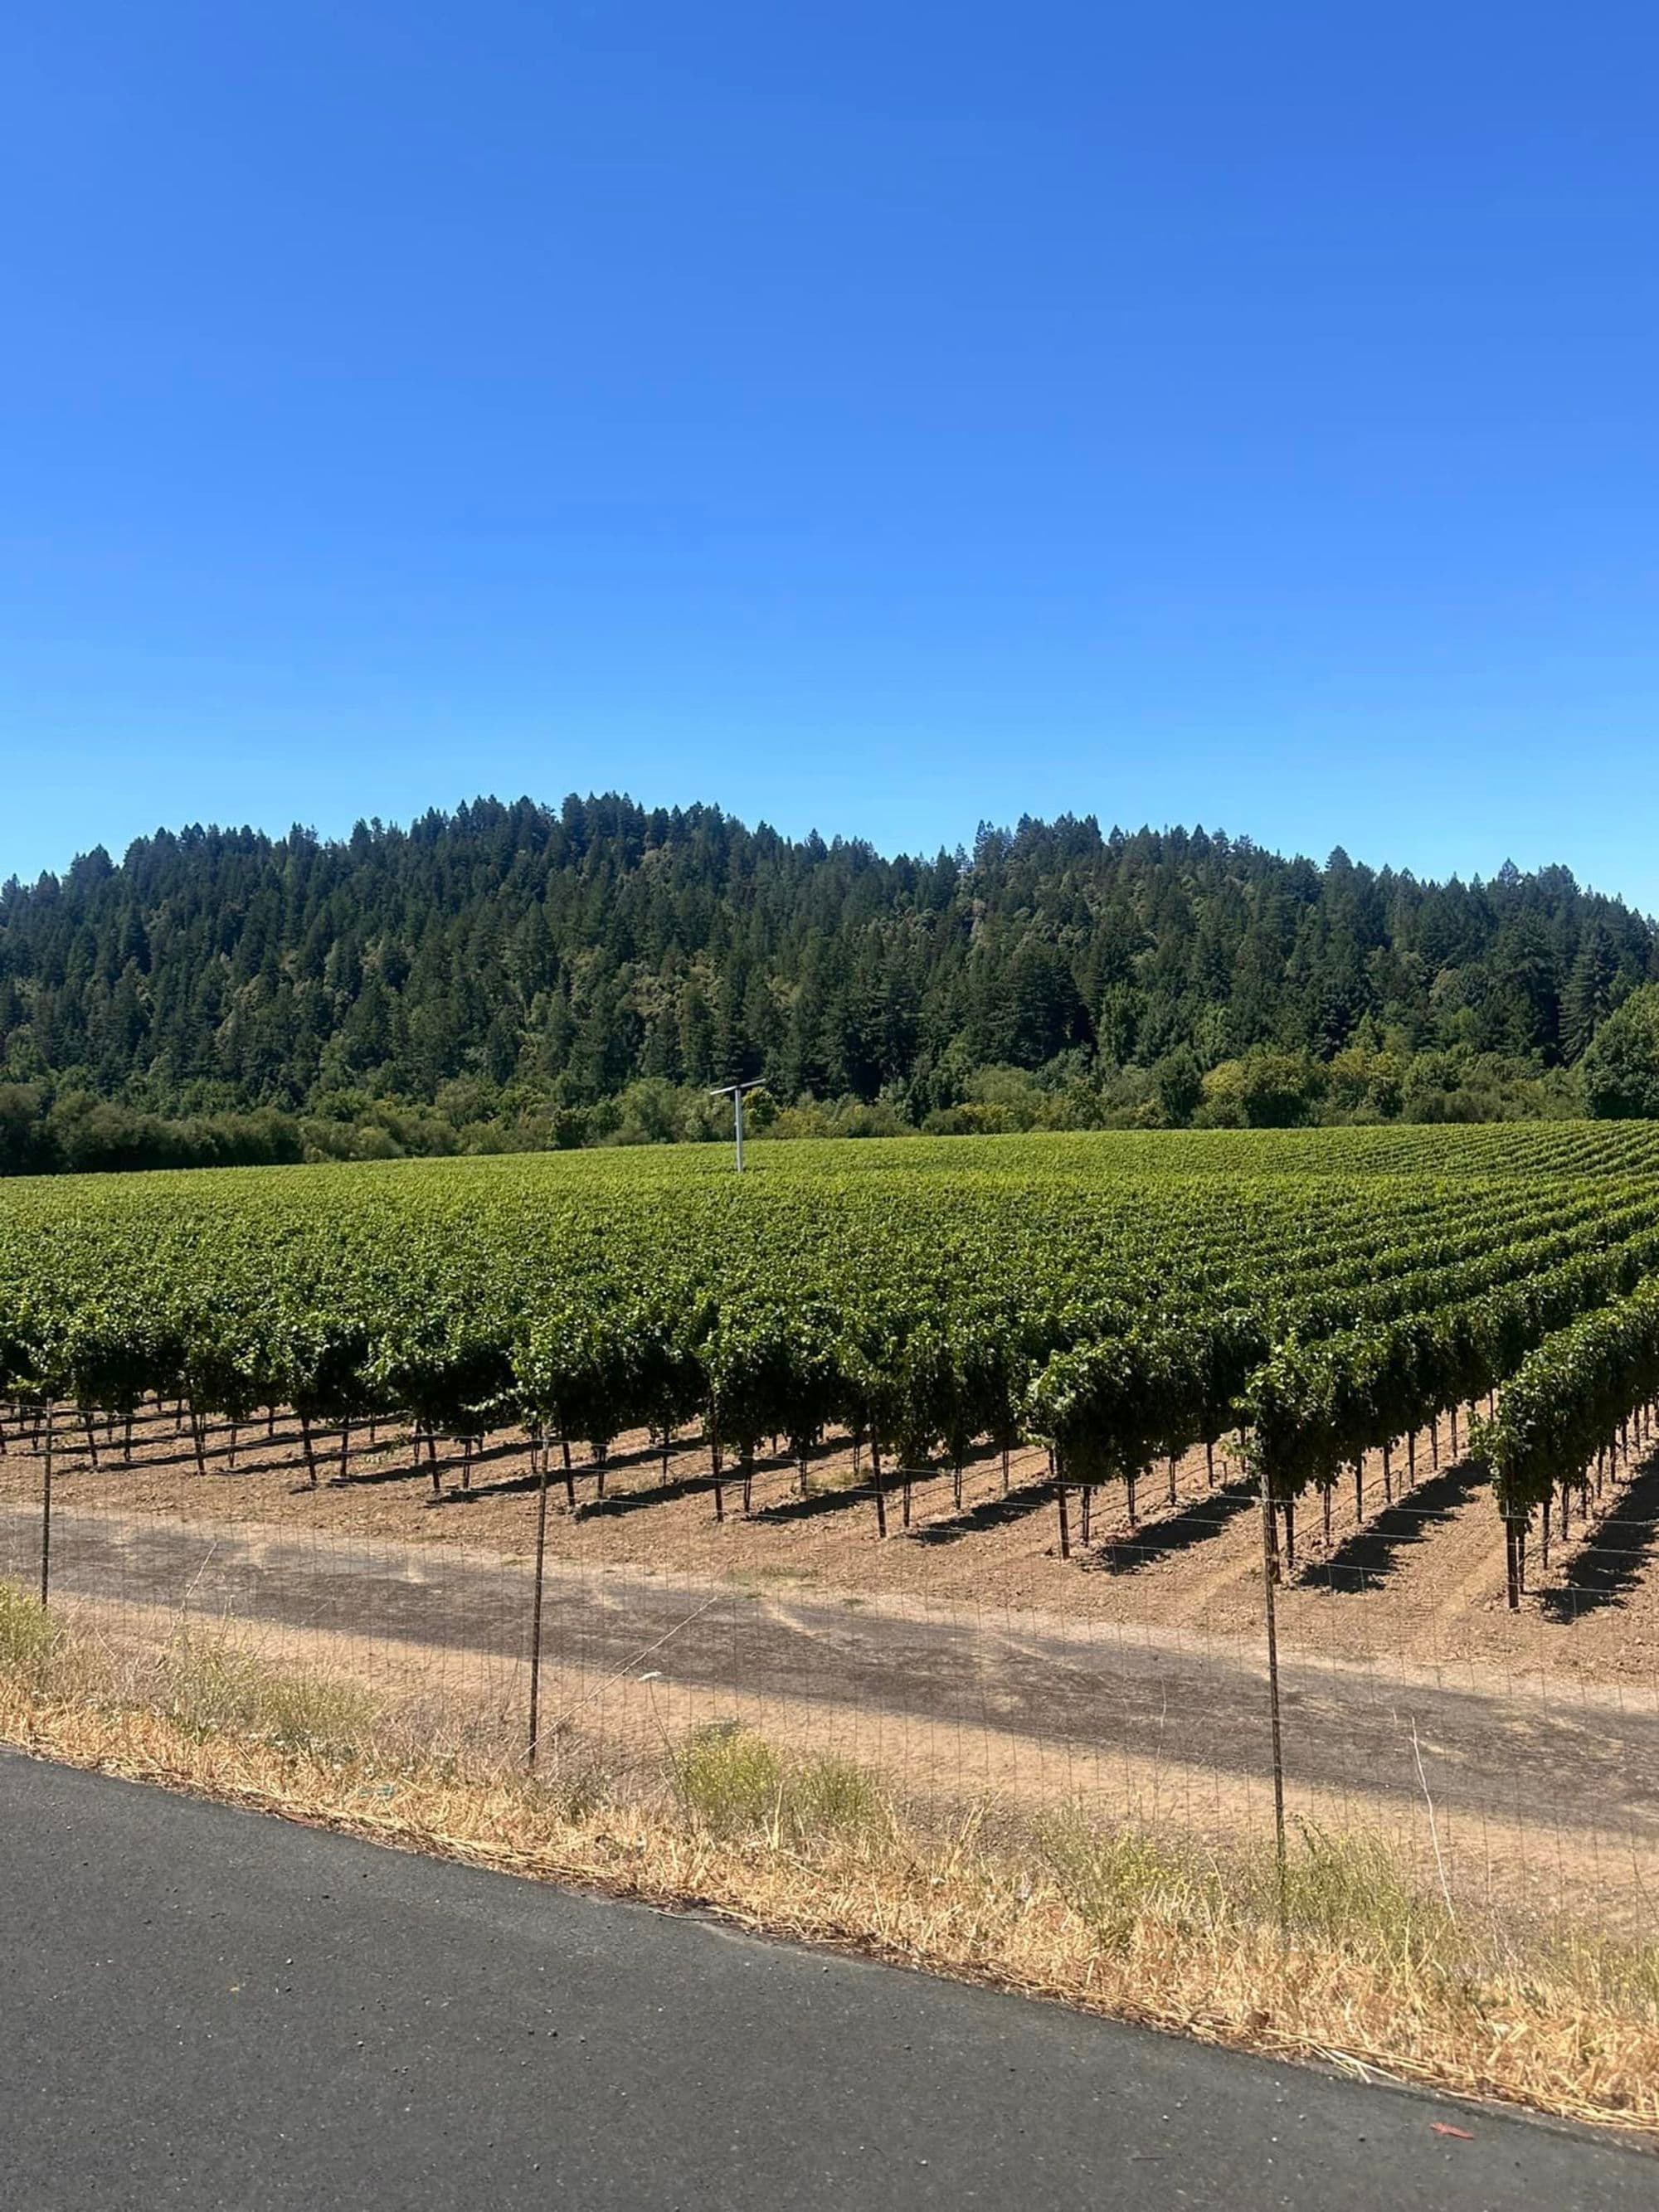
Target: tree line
<point x="520" y="974"/>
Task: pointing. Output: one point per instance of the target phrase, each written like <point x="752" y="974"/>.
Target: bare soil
<point x="1415" y="1585"/>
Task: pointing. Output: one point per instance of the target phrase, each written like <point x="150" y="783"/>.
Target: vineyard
<point x="1092" y="1313"/>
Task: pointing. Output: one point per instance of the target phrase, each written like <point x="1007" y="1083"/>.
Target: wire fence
<point x="1006" y="1639"/>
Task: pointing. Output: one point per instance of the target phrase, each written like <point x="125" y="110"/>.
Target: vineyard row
<point x="1323" y="1317"/>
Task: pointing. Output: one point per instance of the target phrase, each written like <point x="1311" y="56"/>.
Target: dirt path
<point x="1584" y="1764"/>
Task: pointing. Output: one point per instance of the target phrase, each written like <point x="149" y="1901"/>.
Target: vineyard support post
<point x="1268" y="1568"/>
<point x="536" y="1602"/>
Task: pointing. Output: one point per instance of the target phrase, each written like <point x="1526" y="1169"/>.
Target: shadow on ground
<point x="1136" y="1549"/>
<point x="1366" y="1559"/>
<point x="1615" y="1555"/>
<point x="1000" y="1512"/>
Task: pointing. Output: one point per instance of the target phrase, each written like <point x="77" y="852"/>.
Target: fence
<point x="1001" y="1641"/>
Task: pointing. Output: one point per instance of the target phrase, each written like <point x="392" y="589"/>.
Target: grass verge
<point x="1369" y="1971"/>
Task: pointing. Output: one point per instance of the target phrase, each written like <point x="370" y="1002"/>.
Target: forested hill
<point x="547" y="959"/>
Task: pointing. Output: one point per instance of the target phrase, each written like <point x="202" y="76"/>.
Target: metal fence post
<point x="45" y="1516"/>
<point x="536" y="1602"/>
<point x="1268" y="1566"/>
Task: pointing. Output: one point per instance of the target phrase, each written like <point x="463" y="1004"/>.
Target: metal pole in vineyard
<point x="735" y="1092"/>
<point x="1273" y="1688"/>
<point x="536" y="1602"/>
<point x="45" y="1517"/>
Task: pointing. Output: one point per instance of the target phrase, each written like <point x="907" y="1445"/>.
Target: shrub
<point x="729" y="1778"/>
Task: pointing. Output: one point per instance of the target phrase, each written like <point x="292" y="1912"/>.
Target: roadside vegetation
<point x="1351" y="1961"/>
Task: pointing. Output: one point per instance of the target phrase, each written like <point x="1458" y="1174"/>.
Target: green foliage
<point x="1621" y="1068"/>
<point x="1279" y="1090"/>
<point x="78" y="1133"/>
<point x="514" y="977"/>
<point x="766" y="1377"/>
<point x="1178" y="1078"/>
<point x="730" y="1778"/>
<point x="1568" y="1399"/>
<point x="1121" y="1296"/>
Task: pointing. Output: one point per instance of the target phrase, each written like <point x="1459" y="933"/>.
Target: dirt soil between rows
<point x="1414" y="1584"/>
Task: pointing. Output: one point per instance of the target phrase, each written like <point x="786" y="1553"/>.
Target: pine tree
<point x="1587" y="998"/>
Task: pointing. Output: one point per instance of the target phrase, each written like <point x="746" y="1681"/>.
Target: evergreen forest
<point x="520" y="976"/>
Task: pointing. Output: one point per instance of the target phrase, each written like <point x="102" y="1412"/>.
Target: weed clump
<point x="29" y="1636"/>
<point x="210" y="1688"/>
<point x="838" y="1798"/>
<point x="1115" y="1879"/>
<point x="733" y="1782"/>
<point x="1342" y="1894"/>
<point x="1350" y="1891"/>
<point x="728" y="1778"/>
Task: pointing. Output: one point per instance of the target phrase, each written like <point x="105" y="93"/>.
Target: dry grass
<point x="1369" y="1971"/>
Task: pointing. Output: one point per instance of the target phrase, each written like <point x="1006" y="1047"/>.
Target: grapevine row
<point x="1329" y="1310"/>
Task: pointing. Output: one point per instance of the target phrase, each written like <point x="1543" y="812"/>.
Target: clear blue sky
<point x="872" y="417"/>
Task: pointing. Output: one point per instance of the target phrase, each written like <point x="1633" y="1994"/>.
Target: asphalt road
<point x="203" y="2007"/>
<point x="1552" y="1762"/>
